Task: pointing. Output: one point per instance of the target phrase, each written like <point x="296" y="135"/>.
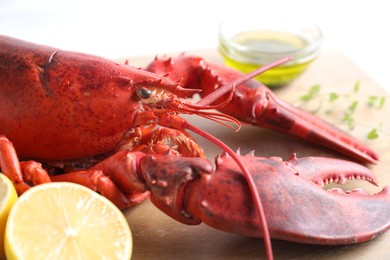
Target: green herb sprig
<point x="349" y="114"/>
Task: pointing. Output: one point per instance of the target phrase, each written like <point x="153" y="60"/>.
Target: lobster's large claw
<point x="297" y="208"/>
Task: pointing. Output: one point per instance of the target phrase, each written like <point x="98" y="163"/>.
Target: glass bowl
<point x="246" y="45"/>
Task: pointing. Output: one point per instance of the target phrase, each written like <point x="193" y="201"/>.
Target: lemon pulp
<point x="63" y="221"/>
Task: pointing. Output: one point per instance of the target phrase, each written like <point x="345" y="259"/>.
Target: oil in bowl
<point x="246" y="46"/>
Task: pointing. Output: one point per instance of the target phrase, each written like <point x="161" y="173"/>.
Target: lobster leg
<point x="9" y="165"/>
<point x="167" y="140"/>
<point x="117" y="176"/>
<point x="110" y="177"/>
<point x="297" y="208"/>
<point x="258" y="105"/>
<point x="98" y="181"/>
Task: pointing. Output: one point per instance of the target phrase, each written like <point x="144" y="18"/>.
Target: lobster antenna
<point x="251" y="183"/>
<point x="220" y="118"/>
<point x="210" y="98"/>
<point x="206" y="102"/>
<point x="216" y="106"/>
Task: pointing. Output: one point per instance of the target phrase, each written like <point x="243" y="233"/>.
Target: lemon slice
<point x="66" y="221"/>
<point x="8" y="197"/>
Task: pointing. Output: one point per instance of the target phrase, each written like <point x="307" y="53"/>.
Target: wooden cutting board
<point x="157" y="236"/>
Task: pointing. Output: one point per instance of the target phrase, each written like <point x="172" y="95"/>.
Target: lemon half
<point x="66" y="221"/>
<point x="8" y="197"/>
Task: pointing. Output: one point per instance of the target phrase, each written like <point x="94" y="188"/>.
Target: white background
<point x="114" y="29"/>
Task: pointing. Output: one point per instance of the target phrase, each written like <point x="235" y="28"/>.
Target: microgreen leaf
<point x="313" y="91"/>
<point x="373" y="134"/>
<point x="382" y="102"/>
<point x="356" y="88"/>
<point x="376" y="101"/>
<point x="305" y="97"/>
<point x="352" y="107"/>
<point x="349" y="120"/>
<point x="371" y="100"/>
<point x="333" y="97"/>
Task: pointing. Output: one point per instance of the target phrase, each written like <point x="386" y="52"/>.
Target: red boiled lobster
<point x="116" y="129"/>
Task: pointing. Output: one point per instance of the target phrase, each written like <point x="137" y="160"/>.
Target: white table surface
<point x="114" y="29"/>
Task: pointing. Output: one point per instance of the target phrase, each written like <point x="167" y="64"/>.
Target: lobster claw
<point x="296" y="206"/>
<point x="275" y="114"/>
<point x="261" y="107"/>
<point x="257" y="104"/>
<point x="336" y="216"/>
<point x="167" y="177"/>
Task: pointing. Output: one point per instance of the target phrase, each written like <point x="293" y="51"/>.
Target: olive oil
<point x="248" y="50"/>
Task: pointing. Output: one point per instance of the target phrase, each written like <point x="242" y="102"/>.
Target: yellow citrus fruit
<point x="8" y="197"/>
<point x="66" y="221"/>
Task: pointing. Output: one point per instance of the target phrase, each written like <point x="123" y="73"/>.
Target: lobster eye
<point x="144" y="93"/>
